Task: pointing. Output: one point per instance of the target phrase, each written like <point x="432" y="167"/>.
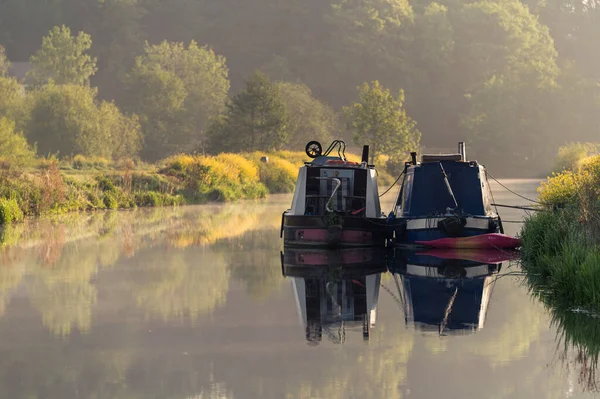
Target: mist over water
<point x="191" y="303"/>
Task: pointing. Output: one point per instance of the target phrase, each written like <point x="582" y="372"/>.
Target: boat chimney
<point x="462" y="150"/>
<point x="413" y="155"/>
<point x="365" y="154"/>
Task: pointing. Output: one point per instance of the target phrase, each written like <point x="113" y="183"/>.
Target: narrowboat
<point x="443" y="196"/>
<point x="443" y="294"/>
<point x="336" y="291"/>
<point x="336" y="202"/>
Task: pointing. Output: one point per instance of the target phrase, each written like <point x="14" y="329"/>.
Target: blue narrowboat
<point x="443" y="196"/>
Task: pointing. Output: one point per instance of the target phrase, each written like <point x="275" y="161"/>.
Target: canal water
<point x="191" y="303"/>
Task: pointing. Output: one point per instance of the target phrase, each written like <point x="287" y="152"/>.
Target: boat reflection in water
<point x="446" y="291"/>
<point x="336" y="291"/>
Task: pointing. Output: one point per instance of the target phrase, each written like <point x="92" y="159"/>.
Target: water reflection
<point x="577" y="332"/>
<point x="336" y="292"/>
<point x="181" y="303"/>
<point x="446" y="291"/>
<point x="162" y="251"/>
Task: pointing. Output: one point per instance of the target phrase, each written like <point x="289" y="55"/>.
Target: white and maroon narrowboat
<point x="336" y="202"/>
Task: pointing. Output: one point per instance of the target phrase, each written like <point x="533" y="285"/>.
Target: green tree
<point x="13" y="145"/>
<point x="4" y="63"/>
<point x="12" y="99"/>
<point x="176" y="91"/>
<point x="255" y="119"/>
<point x="309" y="118"/>
<point x="68" y="120"/>
<point x="63" y="59"/>
<point x="124" y="132"/>
<point x="380" y="120"/>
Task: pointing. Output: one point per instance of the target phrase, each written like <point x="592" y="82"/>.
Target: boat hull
<point x="346" y="231"/>
<point x="411" y="231"/>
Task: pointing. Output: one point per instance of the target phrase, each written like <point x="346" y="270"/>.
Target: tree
<point x="380" y="120"/>
<point x="158" y="97"/>
<point x="12" y="98"/>
<point x="176" y="91"/>
<point x="309" y="118"/>
<point x="67" y="119"/>
<point x="13" y="146"/>
<point x="4" y="64"/>
<point x="255" y="119"/>
<point x="62" y="58"/>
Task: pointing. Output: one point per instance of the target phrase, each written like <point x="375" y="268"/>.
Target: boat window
<point x="406" y="193"/>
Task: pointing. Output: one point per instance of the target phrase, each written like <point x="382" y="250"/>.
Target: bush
<point x="10" y="211"/>
<point x="152" y="198"/>
<point x="570" y="156"/>
<point x="110" y="202"/>
<point x="14" y="148"/>
<point x="82" y="162"/>
<point x="278" y="175"/>
<point x="559" y="190"/>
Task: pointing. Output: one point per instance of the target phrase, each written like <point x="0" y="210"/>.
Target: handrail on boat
<point x="338" y="184"/>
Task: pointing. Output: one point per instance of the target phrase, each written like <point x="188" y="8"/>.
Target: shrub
<point x="82" y="162"/>
<point x="14" y="148"/>
<point x="570" y="156"/>
<point x="559" y="190"/>
<point x="10" y="211"/>
<point x="110" y="202"/>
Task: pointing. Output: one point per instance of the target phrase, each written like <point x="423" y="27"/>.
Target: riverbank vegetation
<point x="86" y="184"/>
<point x="560" y="244"/>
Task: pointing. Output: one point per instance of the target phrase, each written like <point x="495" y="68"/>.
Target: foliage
<point x="68" y="120"/>
<point x="13" y="146"/>
<point x="10" y="211"/>
<point x="13" y="101"/>
<point x="4" y="63"/>
<point x="63" y="59"/>
<point x="309" y="118"/>
<point x="570" y="156"/>
<point x="83" y="162"/>
<point x="176" y="91"/>
<point x="278" y="174"/>
<point x="572" y="186"/>
<point x="255" y="119"/>
<point x="380" y="120"/>
<point x="223" y="178"/>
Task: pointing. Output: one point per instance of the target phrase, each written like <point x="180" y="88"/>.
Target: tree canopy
<point x="63" y="59"/>
<point x="255" y="119"/>
<point x="380" y="120"/>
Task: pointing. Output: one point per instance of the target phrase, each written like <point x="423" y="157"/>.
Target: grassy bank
<point x="560" y="246"/>
<point x="88" y="184"/>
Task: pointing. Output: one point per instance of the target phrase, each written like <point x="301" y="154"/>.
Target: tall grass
<point x="561" y="246"/>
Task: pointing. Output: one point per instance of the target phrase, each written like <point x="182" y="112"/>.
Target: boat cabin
<point x="330" y="183"/>
<point x="440" y="183"/>
<point x="443" y="196"/>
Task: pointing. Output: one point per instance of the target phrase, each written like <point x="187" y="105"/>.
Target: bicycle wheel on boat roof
<point x="313" y="149"/>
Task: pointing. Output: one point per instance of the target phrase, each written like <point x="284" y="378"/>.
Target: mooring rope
<point x="511" y="191"/>
<point x="392" y="186"/>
